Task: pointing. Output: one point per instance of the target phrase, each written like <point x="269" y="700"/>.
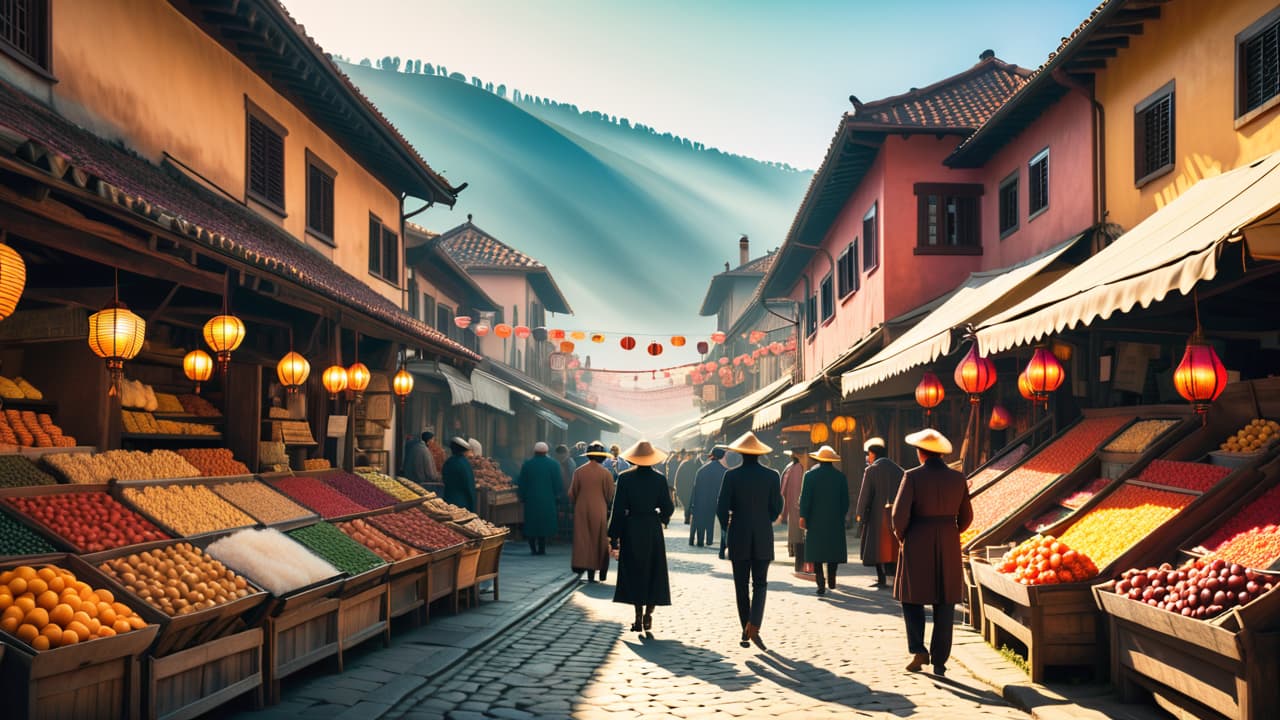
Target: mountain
<point x="632" y="223"/>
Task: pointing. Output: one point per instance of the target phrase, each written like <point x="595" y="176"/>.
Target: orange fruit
<point x="105" y="595"/>
<point x="90" y="608"/>
<point x="38" y="617"/>
<point x="72" y="600"/>
<point x="47" y="600"/>
<point x="69" y="638"/>
<point x="106" y="614"/>
<point x="25" y="572"/>
<point x="106" y="632"/>
<point x="17" y="586"/>
<point x="27" y="633"/>
<point x="87" y="594"/>
<point x="58" y="584"/>
<point x="136" y="622"/>
<point x="5" y="577"/>
<point x="94" y="626"/>
<point x="80" y="629"/>
<point x="81" y="617"/>
<point x="121" y="609"/>
<point x="54" y="633"/>
<point x="121" y="626"/>
<point x="14" y="612"/>
<point x="6" y="599"/>
<point x="9" y="624"/>
<point x="26" y="603"/>
<point x="61" y="614"/>
<point x="46" y="573"/>
<point x="41" y="643"/>
<point x="35" y="586"/>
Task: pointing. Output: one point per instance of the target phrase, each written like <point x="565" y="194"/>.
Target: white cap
<point x="540" y="447"/>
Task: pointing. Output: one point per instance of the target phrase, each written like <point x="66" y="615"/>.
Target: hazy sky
<point x="767" y="80"/>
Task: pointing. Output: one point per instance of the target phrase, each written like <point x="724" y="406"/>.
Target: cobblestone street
<point x="828" y="656"/>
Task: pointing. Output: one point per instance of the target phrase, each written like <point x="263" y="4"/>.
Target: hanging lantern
<point x="462" y="321"/>
<point x="1024" y="387"/>
<point x="522" y="331"/>
<point x="999" y="418"/>
<point x="481" y="329"/>
<point x="703" y="347"/>
<point x="358" y="378"/>
<point x="224" y="333"/>
<point x="756" y="336"/>
<point x="717" y="337"/>
<point x="1061" y="350"/>
<point x="555" y="334"/>
<point x="292" y="370"/>
<point x="749" y="361"/>
<point x="578" y="335"/>
<point x="502" y="330"/>
<point x="566" y="346"/>
<point x="818" y="433"/>
<point x="335" y="380"/>
<point x="654" y="349"/>
<point x="677" y="341"/>
<point x="929" y="393"/>
<point x="975" y="374"/>
<point x="628" y="343"/>
<point x="1044" y="373"/>
<point x="1201" y="376"/>
<point x="724" y="361"/>
<point x="116" y="335"/>
<point x="13" y="279"/>
<point x="737" y="360"/>
<point x="198" y="367"/>
<point x="837" y="424"/>
<point x="776" y="348"/>
<point x="402" y="384"/>
<point x="849" y="425"/>
<point x="597" y="338"/>
<point x="540" y="334"/>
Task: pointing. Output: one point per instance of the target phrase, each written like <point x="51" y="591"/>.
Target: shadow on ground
<point x="680" y="659"/>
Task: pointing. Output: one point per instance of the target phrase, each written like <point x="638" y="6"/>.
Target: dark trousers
<point x="751" y="604"/>
<point x="538" y="545"/>
<point x="940" y="644"/>
<point x="724" y="535"/>
<point x="830" y="575"/>
<point x="702" y="535"/>
<point x="884" y="570"/>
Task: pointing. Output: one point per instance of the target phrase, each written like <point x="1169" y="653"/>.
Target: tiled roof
<point x="474" y="248"/>
<point x="964" y="100"/>
<point x="181" y="206"/>
<point x="759" y="265"/>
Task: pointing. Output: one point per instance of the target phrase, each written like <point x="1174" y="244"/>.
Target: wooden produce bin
<point x="408" y="586"/>
<point x="442" y="577"/>
<point x="364" y="609"/>
<point x="301" y="630"/>
<point x="487" y="561"/>
<point x="46" y="490"/>
<point x="100" y="678"/>
<point x="118" y="487"/>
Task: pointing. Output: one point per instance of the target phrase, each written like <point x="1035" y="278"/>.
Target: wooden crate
<point x="408" y="584"/>
<point x="190" y="683"/>
<point x="118" y="488"/>
<point x="45" y="531"/>
<point x="507" y="513"/>
<point x="364" y="616"/>
<point x="298" y="637"/>
<point x="442" y="577"/>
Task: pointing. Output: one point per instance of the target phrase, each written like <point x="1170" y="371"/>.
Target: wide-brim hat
<point x="460" y="442"/>
<point x="596" y="449"/>
<point x="644" y="454"/>
<point x="930" y="440"/>
<point x="873" y="442"/>
<point x="749" y="444"/>
<point x="826" y="453"/>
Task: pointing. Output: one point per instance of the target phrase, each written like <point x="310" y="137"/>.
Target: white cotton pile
<point x="271" y="559"/>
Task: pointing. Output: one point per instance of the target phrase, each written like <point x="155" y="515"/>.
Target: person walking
<point x="824" y="501"/>
<point x="615" y="464"/>
<point x="792" y="483"/>
<point x="537" y="486"/>
<point x="686" y="474"/>
<point x="591" y="491"/>
<point x="642" y="507"/>
<point x="567" y="467"/>
<point x="419" y="466"/>
<point x="706" y="491"/>
<point x="458" y="475"/>
<point x="750" y="501"/>
<point x="880" y="481"/>
<point x="931" y="510"/>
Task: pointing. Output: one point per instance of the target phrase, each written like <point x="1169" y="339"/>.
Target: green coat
<point x="539" y="486"/>
<point x="824" y="502"/>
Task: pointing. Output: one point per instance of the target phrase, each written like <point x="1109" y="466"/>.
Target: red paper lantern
<point x="522" y="331"/>
<point x="776" y="348"/>
<point x="556" y="334"/>
<point x="654" y="349"/>
<point x="737" y="361"/>
<point x="1024" y="387"/>
<point x="1044" y="373"/>
<point x="703" y="347"/>
<point x="480" y="328"/>
<point x="975" y="374"/>
<point x="628" y="343"/>
<point x="717" y="337"/>
<point x="999" y="418"/>
<point x="1201" y="376"/>
<point x="566" y="346"/>
<point x="749" y="361"/>
<point x="929" y="393"/>
<point x="677" y="341"/>
<point x="756" y="336"/>
<point x="724" y="361"/>
<point x="502" y="330"/>
<point x="462" y="321"/>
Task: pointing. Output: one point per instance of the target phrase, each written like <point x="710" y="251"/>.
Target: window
<point x="320" y="198"/>
<point x="1258" y="64"/>
<point x="828" y="297"/>
<point x="265" y="158"/>
<point x="413" y="298"/>
<point x="1038" y="183"/>
<point x="429" y="309"/>
<point x="24" y="31"/>
<point x="870" y="240"/>
<point x="1009" y="204"/>
<point x="384" y="251"/>
<point x="847" y="269"/>
<point x="1153" y="145"/>
<point x="811" y="315"/>
<point x="444" y="321"/>
<point x="949" y="219"/>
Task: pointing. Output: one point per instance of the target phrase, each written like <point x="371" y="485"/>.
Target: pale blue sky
<point x="767" y="80"/>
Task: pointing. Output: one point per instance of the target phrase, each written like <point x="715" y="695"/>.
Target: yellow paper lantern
<point x="837" y="424"/>
<point x="818" y="433"/>
<point x="402" y="383"/>
<point x="224" y="333"/>
<point x="358" y="377"/>
<point x="198" y="367"/>
<point x="116" y="334"/>
<point x="335" y="380"/>
<point x="850" y="424"/>
<point x="293" y="370"/>
<point x="578" y="335"/>
<point x="13" y="279"/>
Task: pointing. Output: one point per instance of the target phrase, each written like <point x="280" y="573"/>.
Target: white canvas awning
<point x="771" y="412"/>
<point x="978" y="296"/>
<point x="551" y="418"/>
<point x="460" y="390"/>
<point x="1173" y="249"/>
<point x="491" y="391"/>
<point x="714" y="422"/>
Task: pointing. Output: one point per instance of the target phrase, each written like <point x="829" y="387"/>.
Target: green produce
<point x="17" y="471"/>
<point x="337" y="548"/>
<point x="18" y="539"/>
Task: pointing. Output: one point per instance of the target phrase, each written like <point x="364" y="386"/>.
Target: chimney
<point x="744" y="250"/>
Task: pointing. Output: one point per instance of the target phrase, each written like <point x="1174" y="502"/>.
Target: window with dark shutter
<point x="444" y="320"/>
<point x="266" y="162"/>
<point x="320" y="199"/>
<point x="413" y="298"/>
<point x="1258" y="63"/>
<point x="428" y="309"/>
<point x="847" y="270"/>
<point x="828" y="297"/>
<point x="375" y="246"/>
<point x="948" y="219"/>
<point x="1009" y="205"/>
<point x="811" y="315"/>
<point x="24" y="31"/>
<point x="870" y="240"/>
<point x="1153" y="139"/>
<point x="1038" y="183"/>
<point x="390" y="256"/>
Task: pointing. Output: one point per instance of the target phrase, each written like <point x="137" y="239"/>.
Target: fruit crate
<point x="100" y="678"/>
<point x="118" y="487"/>
<point x="442" y="577"/>
<point x="44" y="490"/>
<point x="408" y="585"/>
<point x="300" y="636"/>
<point x="191" y="683"/>
<point x="490" y="556"/>
<point x="363" y="616"/>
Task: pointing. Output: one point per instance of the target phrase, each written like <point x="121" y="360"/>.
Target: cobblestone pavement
<point x="840" y="655"/>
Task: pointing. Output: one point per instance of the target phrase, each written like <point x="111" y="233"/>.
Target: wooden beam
<point x="1118" y="30"/>
<point x="1121" y="41"/>
<point x="1074" y="65"/>
<point x="1097" y="53"/>
<point x="1139" y="13"/>
<point x="164" y="304"/>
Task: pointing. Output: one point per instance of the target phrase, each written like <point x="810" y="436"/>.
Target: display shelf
<point x="188" y="417"/>
<point x="169" y="438"/>
<point x="24" y="404"/>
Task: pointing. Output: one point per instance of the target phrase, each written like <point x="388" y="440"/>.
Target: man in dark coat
<point x="930" y="512"/>
<point x="685" y="476"/>
<point x="880" y="484"/>
<point x="750" y="502"/>
<point x="567" y="468"/>
<point x="418" y="464"/>
<point x="539" y="485"/>
<point x="824" y="501"/>
<point x="706" y="492"/>
<point x="459" y="478"/>
<point x="642" y="507"/>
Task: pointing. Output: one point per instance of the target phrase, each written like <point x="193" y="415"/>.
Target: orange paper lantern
<point x="975" y="374"/>
<point x="522" y="331"/>
<point x="502" y="330"/>
<point x="655" y="349"/>
<point x="818" y="433"/>
<point x="1201" y="376"/>
<point x="628" y="343"/>
<point x="999" y="418"/>
<point x="335" y="380"/>
<point x="677" y="341"/>
<point x="566" y="346"/>
<point x="1044" y="373"/>
<point x="1024" y="387"/>
<point x="929" y="393"/>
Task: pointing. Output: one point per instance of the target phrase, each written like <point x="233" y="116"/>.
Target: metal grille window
<point x="1038" y="183"/>
<point x="870" y="239"/>
<point x="320" y="199"/>
<point x="24" y="28"/>
<point x="828" y="298"/>
<point x="1009" y="205"/>
<point x="1153" y="141"/>
<point x="1258" y="63"/>
<point x="266" y="161"/>
<point x="847" y="270"/>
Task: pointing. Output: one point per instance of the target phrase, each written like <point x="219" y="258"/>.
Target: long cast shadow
<point x="822" y="684"/>
<point x="681" y="659"/>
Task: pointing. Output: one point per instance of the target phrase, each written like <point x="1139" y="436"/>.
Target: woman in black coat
<point x="642" y="507"/>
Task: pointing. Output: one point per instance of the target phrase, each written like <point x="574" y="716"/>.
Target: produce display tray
<point x="118" y="487"/>
<point x="47" y="532"/>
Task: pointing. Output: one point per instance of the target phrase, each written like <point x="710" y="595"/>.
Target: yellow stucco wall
<point x="1192" y="44"/>
<point x="140" y="72"/>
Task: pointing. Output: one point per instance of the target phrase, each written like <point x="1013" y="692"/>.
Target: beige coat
<point x="591" y="492"/>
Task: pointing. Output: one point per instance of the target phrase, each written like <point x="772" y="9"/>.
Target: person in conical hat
<point x="750" y="501"/>
<point x="880" y="481"/>
<point x="824" y="501"/>
<point x="642" y="507"/>
<point x="931" y="510"/>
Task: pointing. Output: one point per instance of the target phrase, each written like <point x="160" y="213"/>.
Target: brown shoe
<point x="918" y="661"/>
<point x="753" y="633"/>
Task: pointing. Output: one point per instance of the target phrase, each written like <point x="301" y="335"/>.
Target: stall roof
<point x="1173" y="249"/>
<point x="979" y="295"/>
<point x="460" y="389"/>
<point x="548" y="397"/>
<point x="491" y="391"/>
<point x="713" y="422"/>
<point x="545" y="414"/>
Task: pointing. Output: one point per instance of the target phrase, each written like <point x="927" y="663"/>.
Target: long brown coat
<point x="792" y="484"/>
<point x="591" y="491"/>
<point x="879" y="488"/>
<point x="930" y="512"/>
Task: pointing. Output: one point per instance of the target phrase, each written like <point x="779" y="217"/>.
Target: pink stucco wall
<point x="1066" y="129"/>
<point x="508" y="290"/>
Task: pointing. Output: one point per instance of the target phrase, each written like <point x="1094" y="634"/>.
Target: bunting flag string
<point x="483" y="325"/>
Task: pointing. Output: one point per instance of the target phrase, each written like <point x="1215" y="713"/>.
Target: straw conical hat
<point x="642" y="453"/>
<point x="749" y="444"/>
<point x="825" y="454"/>
<point x="596" y="449"/>
<point x="866" y="446"/>
<point x="931" y="440"/>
